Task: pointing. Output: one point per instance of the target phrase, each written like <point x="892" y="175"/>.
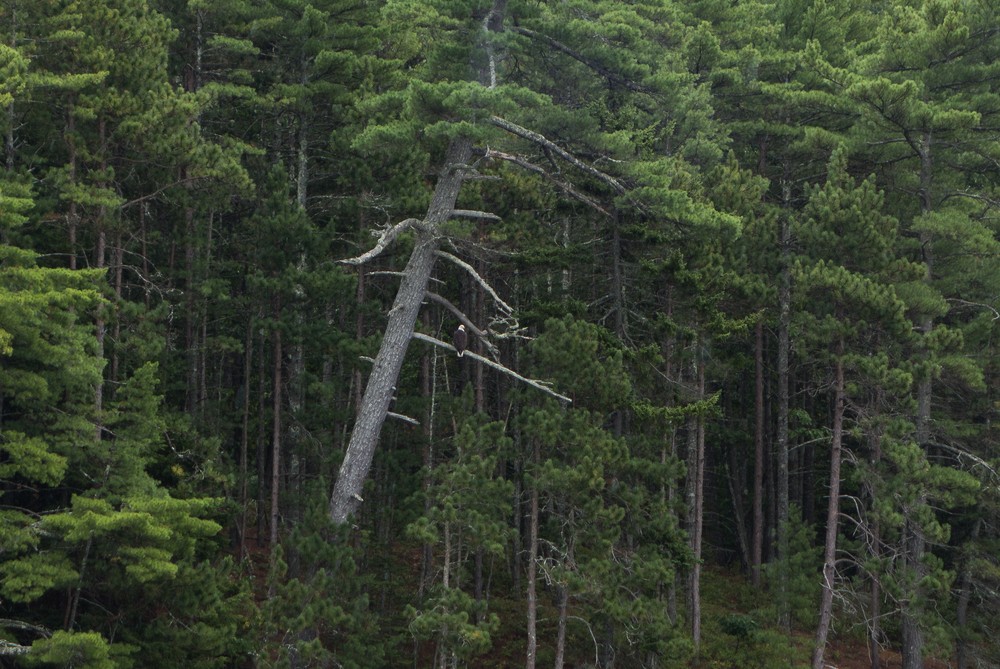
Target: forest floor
<point x="847" y="654"/>
<point x="727" y="594"/>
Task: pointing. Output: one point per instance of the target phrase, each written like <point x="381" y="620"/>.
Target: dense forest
<point x="729" y="273"/>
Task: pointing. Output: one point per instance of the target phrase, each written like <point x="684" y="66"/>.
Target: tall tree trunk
<point x="8" y="143"/>
<point x="784" y="347"/>
<point x="100" y="325"/>
<point x="875" y="599"/>
<point x="913" y="538"/>
<point x="276" y="429"/>
<point x="73" y="215"/>
<point x="346" y="496"/>
<point x="532" y="577"/>
<point x="696" y="498"/>
<point x="562" y="606"/>
<point x="190" y="316"/>
<point x="261" y="443"/>
<point x="832" y="514"/>
<point x="245" y="437"/>
<point x="758" y="456"/>
<point x="962" y="609"/>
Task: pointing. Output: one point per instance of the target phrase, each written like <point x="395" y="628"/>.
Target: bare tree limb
<point x="538" y="385"/>
<point x="541" y="140"/>
<point x="385" y="272"/>
<point x="387" y="237"/>
<point x="475" y="275"/>
<point x="399" y="416"/>
<point x="27" y="627"/>
<point x="559" y="183"/>
<point x="471" y="213"/>
<point x="613" y="77"/>
<point x="11" y="648"/>
<point x="469" y="325"/>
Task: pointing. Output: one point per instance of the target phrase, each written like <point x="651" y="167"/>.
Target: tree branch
<point x="536" y="138"/>
<point x="387" y="237"/>
<point x="399" y="416"/>
<point x="475" y="275"/>
<point x="27" y="627"/>
<point x="11" y="648"/>
<point x="613" y="77"/>
<point x="538" y="385"/>
<point x="469" y="325"/>
<point x="559" y="183"/>
<point x="471" y="213"/>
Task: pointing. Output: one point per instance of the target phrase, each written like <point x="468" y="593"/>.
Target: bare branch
<point x="538" y="385"/>
<point x="469" y="325"/>
<point x="559" y="151"/>
<point x="27" y="627"/>
<point x="11" y="648"/>
<point x="385" y="272"/>
<point x="613" y="77"/>
<point x="475" y="275"/>
<point x="387" y="237"/>
<point x="562" y="185"/>
<point x="980" y="305"/>
<point x="399" y="416"/>
<point x="471" y="213"/>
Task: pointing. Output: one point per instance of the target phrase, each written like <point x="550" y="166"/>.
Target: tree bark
<point x="832" y="514"/>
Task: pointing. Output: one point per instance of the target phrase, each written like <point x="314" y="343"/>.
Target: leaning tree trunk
<point x="346" y="496"/>
<point x="832" y="514"/>
<point x="403" y="316"/>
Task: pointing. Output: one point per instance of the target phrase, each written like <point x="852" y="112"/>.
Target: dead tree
<point x="413" y="290"/>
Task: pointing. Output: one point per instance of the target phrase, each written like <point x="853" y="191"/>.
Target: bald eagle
<point x="460" y="339"/>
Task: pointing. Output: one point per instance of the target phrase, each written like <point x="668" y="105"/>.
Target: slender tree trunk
<point x="276" y="437"/>
<point x="913" y="538"/>
<point x="875" y="601"/>
<point x="696" y="476"/>
<point x="8" y="143"/>
<point x="532" y="578"/>
<point x="758" y="456"/>
<point x="962" y="609"/>
<point x="261" y="444"/>
<point x="832" y="515"/>
<point x="190" y="316"/>
<point x="784" y="347"/>
<point x="100" y="324"/>
<point x="737" y="479"/>
<point x="73" y="215"/>
<point x="245" y="437"/>
<point x="562" y="599"/>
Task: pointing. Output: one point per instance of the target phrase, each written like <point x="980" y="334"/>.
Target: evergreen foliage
<point x="750" y="242"/>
